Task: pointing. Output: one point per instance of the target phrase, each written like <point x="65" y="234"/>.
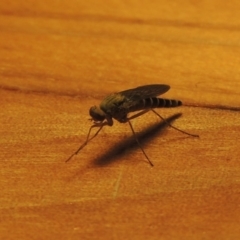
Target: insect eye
<point x="97" y="114"/>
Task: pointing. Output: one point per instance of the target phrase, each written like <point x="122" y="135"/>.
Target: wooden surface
<point x="59" y="58"/>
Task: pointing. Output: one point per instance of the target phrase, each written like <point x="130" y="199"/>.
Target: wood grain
<point x="57" y="59"/>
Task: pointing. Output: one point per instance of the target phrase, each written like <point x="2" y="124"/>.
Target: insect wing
<point x="120" y="103"/>
<point x="133" y="96"/>
<point x="146" y="91"/>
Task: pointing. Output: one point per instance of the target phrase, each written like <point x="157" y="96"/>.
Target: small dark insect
<point x="118" y="105"/>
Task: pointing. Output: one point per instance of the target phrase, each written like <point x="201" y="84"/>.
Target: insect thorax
<point x="112" y="106"/>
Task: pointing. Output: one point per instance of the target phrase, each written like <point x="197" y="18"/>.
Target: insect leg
<point x="138" y="114"/>
<point x="100" y="125"/>
<point x="193" y="135"/>
<point x="134" y="134"/>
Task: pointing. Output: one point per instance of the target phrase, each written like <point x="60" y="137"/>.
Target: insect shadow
<point x="119" y="149"/>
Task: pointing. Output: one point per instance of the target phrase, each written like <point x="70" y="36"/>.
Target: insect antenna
<point x="134" y="134"/>
<point x="193" y="135"/>
<point x="100" y="125"/>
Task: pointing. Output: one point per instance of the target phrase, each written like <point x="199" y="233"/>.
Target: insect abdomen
<point x="156" y="103"/>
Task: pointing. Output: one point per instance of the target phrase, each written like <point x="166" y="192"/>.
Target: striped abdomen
<point x="155" y="103"/>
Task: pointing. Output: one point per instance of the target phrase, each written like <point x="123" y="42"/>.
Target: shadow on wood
<point x="115" y="152"/>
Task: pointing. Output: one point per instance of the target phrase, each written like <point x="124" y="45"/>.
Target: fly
<point x="118" y="105"/>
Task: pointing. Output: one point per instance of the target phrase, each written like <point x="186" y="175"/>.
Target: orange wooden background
<point x="59" y="58"/>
